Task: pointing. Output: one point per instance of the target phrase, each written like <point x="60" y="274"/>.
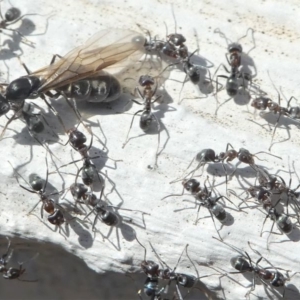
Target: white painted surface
<point x="192" y="126"/>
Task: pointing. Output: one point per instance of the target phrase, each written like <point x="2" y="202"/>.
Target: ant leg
<point x="265" y="153"/>
<point x="273" y="134"/>
<point x="7" y="123"/>
<point x="211" y="214"/>
<point x="173" y="181"/>
<point x="198" y="211"/>
<point x="288" y="104"/>
<point x="174" y="195"/>
<point x="159" y="258"/>
<point x="216" y="112"/>
<point x="183" y="83"/>
<point x="131" y="126"/>
<point x="24" y="39"/>
<point x="158" y="139"/>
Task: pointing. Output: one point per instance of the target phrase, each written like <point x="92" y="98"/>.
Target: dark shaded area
<point x="62" y="275"/>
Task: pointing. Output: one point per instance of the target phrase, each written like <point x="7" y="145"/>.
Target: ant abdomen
<point x="109" y="218"/>
<point x="285" y="224"/>
<point x="219" y="212"/>
<point x="240" y="264"/>
<point x="146" y="120"/>
<point x="186" y="281"/>
<point x="261" y="103"/>
<point x="36" y="182"/>
<point x="206" y="155"/>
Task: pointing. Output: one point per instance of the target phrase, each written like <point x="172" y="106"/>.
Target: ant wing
<point x="152" y="65"/>
<point x="102" y="51"/>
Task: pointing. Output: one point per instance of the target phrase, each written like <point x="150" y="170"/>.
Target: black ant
<point x="204" y="198"/>
<point x="236" y="73"/>
<point x="174" y="48"/>
<point x="277" y="186"/>
<point x="155" y="272"/>
<point x="208" y="155"/>
<point x="101" y="208"/>
<point x="89" y="172"/>
<point x="23" y="109"/>
<point x="282" y="220"/>
<point x="49" y="204"/>
<point x="147" y="116"/>
<point x="292" y="112"/>
<point x="271" y="275"/>
<point x="16" y="273"/>
<point x="12" y="273"/>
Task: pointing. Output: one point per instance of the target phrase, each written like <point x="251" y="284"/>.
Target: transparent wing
<point x="151" y="65"/>
<point x="108" y="49"/>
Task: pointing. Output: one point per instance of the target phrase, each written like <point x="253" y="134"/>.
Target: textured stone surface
<point x="191" y="126"/>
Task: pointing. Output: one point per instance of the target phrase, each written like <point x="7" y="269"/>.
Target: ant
<point x="12" y="273"/>
<point x="154" y="273"/>
<point x="282" y="220"/>
<point x="174" y="48"/>
<point x="292" y="112"/>
<point x="49" y="204"/>
<point x="16" y="273"/>
<point x="236" y="73"/>
<point x="89" y="172"/>
<point x="38" y="186"/>
<point x="108" y="217"/>
<point x="208" y="155"/>
<point x="147" y="116"/>
<point x="204" y="198"/>
<point x="277" y="186"/>
<point x="23" y="109"/>
<point x="243" y="264"/>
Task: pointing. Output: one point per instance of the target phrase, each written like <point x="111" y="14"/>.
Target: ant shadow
<point x="85" y="238"/>
<point x="123" y="227"/>
<point x="13" y="43"/>
<point x="282" y="122"/>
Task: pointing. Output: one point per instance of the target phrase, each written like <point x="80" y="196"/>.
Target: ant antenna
<point x="145" y="255"/>
<point x="173" y="14"/>
<point x="222" y="35"/>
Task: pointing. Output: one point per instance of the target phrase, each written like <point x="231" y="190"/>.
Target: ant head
<point x="78" y="190"/>
<point x="206" y="155"/>
<point x="22" y="88"/>
<point x="12" y="14"/>
<point x="4" y="106"/>
<point x="235" y="47"/>
<point x="76" y="138"/>
<point x="191" y="185"/>
<point x="149" y="267"/>
<point x="176" y="39"/>
<point x="245" y="156"/>
<point x="260" y="103"/>
<point x="36" y="182"/>
<point x="146" y="80"/>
